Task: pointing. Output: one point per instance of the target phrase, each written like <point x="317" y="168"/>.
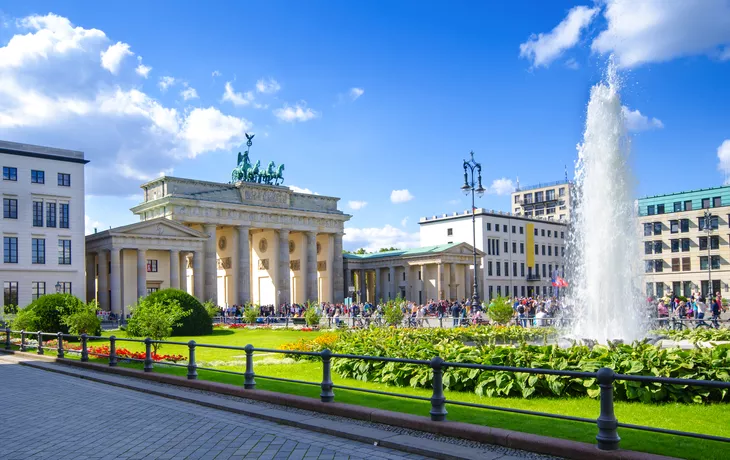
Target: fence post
<point x="22" y="340"/>
<point x="438" y="400"/>
<point x="59" y="353"/>
<point x="148" y="355"/>
<point x="7" y="338"/>
<point x="84" y="349"/>
<point x="287" y="322"/>
<point x="607" y="437"/>
<point x="192" y="367"/>
<point x="113" y="351"/>
<point x="327" y="394"/>
<point x="248" y="377"/>
<point x="40" y="343"/>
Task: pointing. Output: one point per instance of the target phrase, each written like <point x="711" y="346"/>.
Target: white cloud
<point x="644" y="31"/>
<point x="400" y="196"/>
<point x="356" y="93"/>
<point x="296" y="189"/>
<point x="189" y="93"/>
<point x="54" y="91"/>
<point x="542" y="49"/>
<point x="300" y="112"/>
<point x="215" y="74"/>
<point x="501" y="186"/>
<point x="453" y="202"/>
<point x="166" y="82"/>
<point x="636" y="121"/>
<point x="90" y="225"/>
<point x="723" y="155"/>
<point x="142" y="70"/>
<point x="237" y="98"/>
<point x="356" y="205"/>
<point x="269" y="86"/>
<point x="112" y="58"/>
<point x="374" y="238"/>
<point x="404" y="221"/>
<point x="572" y="64"/>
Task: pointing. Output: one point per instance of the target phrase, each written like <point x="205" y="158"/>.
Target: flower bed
<point x="103" y="351"/>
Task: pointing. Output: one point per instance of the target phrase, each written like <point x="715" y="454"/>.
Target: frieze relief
<point x="321" y="265"/>
<point x="263" y="264"/>
<point x="224" y="263"/>
<point x="295" y="265"/>
<point x="270" y="197"/>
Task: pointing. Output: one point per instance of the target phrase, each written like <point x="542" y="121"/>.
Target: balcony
<point x="533" y="277"/>
<point x="545" y="201"/>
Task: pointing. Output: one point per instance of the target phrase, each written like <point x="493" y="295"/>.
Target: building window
<point x="651" y="210"/>
<point x="538" y="197"/>
<point x="38" y="289"/>
<point x="151" y="266"/>
<point x="517" y="199"/>
<point x="537" y="249"/>
<point x="676" y="266"/>
<point x="648" y="247"/>
<point x="544" y="271"/>
<point x="660" y="209"/>
<point x="522" y="248"/>
<point x="648" y="229"/>
<point x="64" y="252"/>
<point x="10" y="173"/>
<point x="499" y="291"/>
<point x="10" y="208"/>
<point x="648" y="266"/>
<point x="657" y="228"/>
<point x="65" y="287"/>
<point x="10" y="250"/>
<point x="677" y="206"/>
<point x="38" y="249"/>
<point x="562" y="251"/>
<point x="688" y="205"/>
<point x="37" y="177"/>
<point x="685" y="244"/>
<point x="506" y="269"/>
<point x="504" y="228"/>
<point x="684" y="225"/>
<point x="714" y="223"/>
<point x="64" y="180"/>
<point x="660" y="289"/>
<point x="514" y="229"/>
<point x="703" y="262"/>
<point x="514" y="247"/>
<point x="522" y="269"/>
<point x="506" y="247"/>
<point x="490" y="292"/>
<point x="51" y="215"/>
<point x="38" y="214"/>
<point x="550" y="233"/>
<point x="522" y="230"/>
<point x="522" y="289"/>
<point x="499" y="268"/>
<point x="714" y="242"/>
<point x="657" y="247"/>
<point x="535" y="232"/>
<point x="542" y="232"/>
<point x="10" y="292"/>
<point x="489" y="227"/>
<point x="150" y="290"/>
<point x="550" y="195"/>
<point x="489" y="268"/>
<point x="449" y="232"/>
<point x="675" y="245"/>
<point x="543" y="249"/>
<point x="674" y="226"/>
<point x="550" y="251"/>
<point x="715" y="262"/>
<point x="703" y="243"/>
<point x="419" y="275"/>
<point x="716" y="202"/>
<point x="63" y="216"/>
<point x="705" y="203"/>
<point x="659" y="265"/>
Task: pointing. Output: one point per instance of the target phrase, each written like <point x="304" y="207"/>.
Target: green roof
<point x="402" y="252"/>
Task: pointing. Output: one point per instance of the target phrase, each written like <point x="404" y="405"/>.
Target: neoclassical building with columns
<point x="228" y="243"/>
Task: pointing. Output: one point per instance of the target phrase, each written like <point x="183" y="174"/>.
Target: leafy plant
<point x="155" y="319"/>
<point x="327" y="340"/>
<point x="501" y="311"/>
<point x="696" y="335"/>
<point x="311" y="315"/>
<point x="84" y="320"/>
<point x="211" y="308"/>
<point x="250" y="313"/>
<point x="197" y="322"/>
<point x="47" y="312"/>
<point x="393" y="312"/>
<point x="10" y="309"/>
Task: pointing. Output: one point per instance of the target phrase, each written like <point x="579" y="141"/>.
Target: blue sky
<point x="360" y="99"/>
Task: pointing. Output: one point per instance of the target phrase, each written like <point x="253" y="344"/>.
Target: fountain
<point x="603" y="261"/>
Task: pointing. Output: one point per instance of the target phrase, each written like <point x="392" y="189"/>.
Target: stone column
<point x="184" y="272"/>
<point x="378" y="290"/>
<point x="361" y="285"/>
<point x="175" y="269"/>
<point x="440" y="281"/>
<point x="310" y="267"/>
<point x="116" y="280"/>
<point x="452" y="281"/>
<point x="103" y="283"/>
<point x="407" y="271"/>
<point x="90" y="276"/>
<point x="210" y="269"/>
<point x="392" y="284"/>
<point x="243" y="265"/>
<point x="198" y="282"/>
<point x="141" y="273"/>
<point x="348" y="281"/>
<point x="337" y="270"/>
<point x="283" y="273"/>
<point x="467" y="281"/>
<point x="424" y="294"/>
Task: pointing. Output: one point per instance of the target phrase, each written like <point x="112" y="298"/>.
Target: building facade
<point x="552" y="200"/>
<point x="43" y="222"/>
<point x="519" y="254"/>
<point x="228" y="243"/>
<point x="685" y="241"/>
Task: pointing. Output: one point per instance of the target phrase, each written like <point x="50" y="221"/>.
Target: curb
<point x="478" y="433"/>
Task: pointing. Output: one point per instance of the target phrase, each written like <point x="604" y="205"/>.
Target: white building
<point x="43" y="222"/>
<point x="520" y="253"/>
<point x="552" y="200"/>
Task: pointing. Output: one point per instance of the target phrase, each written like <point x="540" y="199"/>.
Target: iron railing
<point x="607" y="437"/>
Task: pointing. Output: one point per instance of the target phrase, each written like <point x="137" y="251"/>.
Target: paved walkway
<point x="48" y="415"/>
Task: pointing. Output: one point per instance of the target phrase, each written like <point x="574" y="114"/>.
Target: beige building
<point x="685" y="241"/>
<point x="229" y="243"/>
<point x="551" y="201"/>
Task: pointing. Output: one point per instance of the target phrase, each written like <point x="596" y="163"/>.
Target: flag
<point x="559" y="282"/>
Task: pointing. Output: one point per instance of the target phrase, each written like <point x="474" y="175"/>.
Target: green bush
<point x="10" y="309"/>
<point x="393" y="312"/>
<point x="197" y="322"/>
<point x="311" y="316"/>
<point x="156" y="318"/>
<point x="84" y="320"/>
<point x="250" y="313"/>
<point x="47" y="314"/>
<point x="500" y="311"/>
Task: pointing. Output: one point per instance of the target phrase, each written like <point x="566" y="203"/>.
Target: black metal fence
<point x="607" y="437"/>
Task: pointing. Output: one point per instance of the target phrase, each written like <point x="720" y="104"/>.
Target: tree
<point x="501" y="311"/>
<point x="155" y="319"/>
<point x="84" y="320"/>
<point x="47" y="312"/>
<point x="393" y="311"/>
<point x="388" y="249"/>
<point x="198" y="322"/>
<point x="360" y="251"/>
<point x="311" y="315"/>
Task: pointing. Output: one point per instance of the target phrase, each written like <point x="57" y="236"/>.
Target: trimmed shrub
<point x="198" y="322"/>
<point x="47" y="314"/>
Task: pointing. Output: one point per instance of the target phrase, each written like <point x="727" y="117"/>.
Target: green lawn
<point x="707" y="419"/>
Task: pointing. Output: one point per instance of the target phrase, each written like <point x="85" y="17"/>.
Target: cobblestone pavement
<point x="46" y="415"/>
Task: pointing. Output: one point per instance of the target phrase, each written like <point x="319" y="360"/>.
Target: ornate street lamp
<point x="708" y="229"/>
<point x="58" y="287"/>
<point x="470" y="186"/>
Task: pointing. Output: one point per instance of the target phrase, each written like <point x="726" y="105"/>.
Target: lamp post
<point x="470" y="186"/>
<point x="58" y="287"/>
<point x="708" y="230"/>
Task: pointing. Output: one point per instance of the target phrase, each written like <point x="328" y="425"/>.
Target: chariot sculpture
<point x="247" y="172"/>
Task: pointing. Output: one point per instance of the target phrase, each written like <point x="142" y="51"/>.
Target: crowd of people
<point x="695" y="307"/>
